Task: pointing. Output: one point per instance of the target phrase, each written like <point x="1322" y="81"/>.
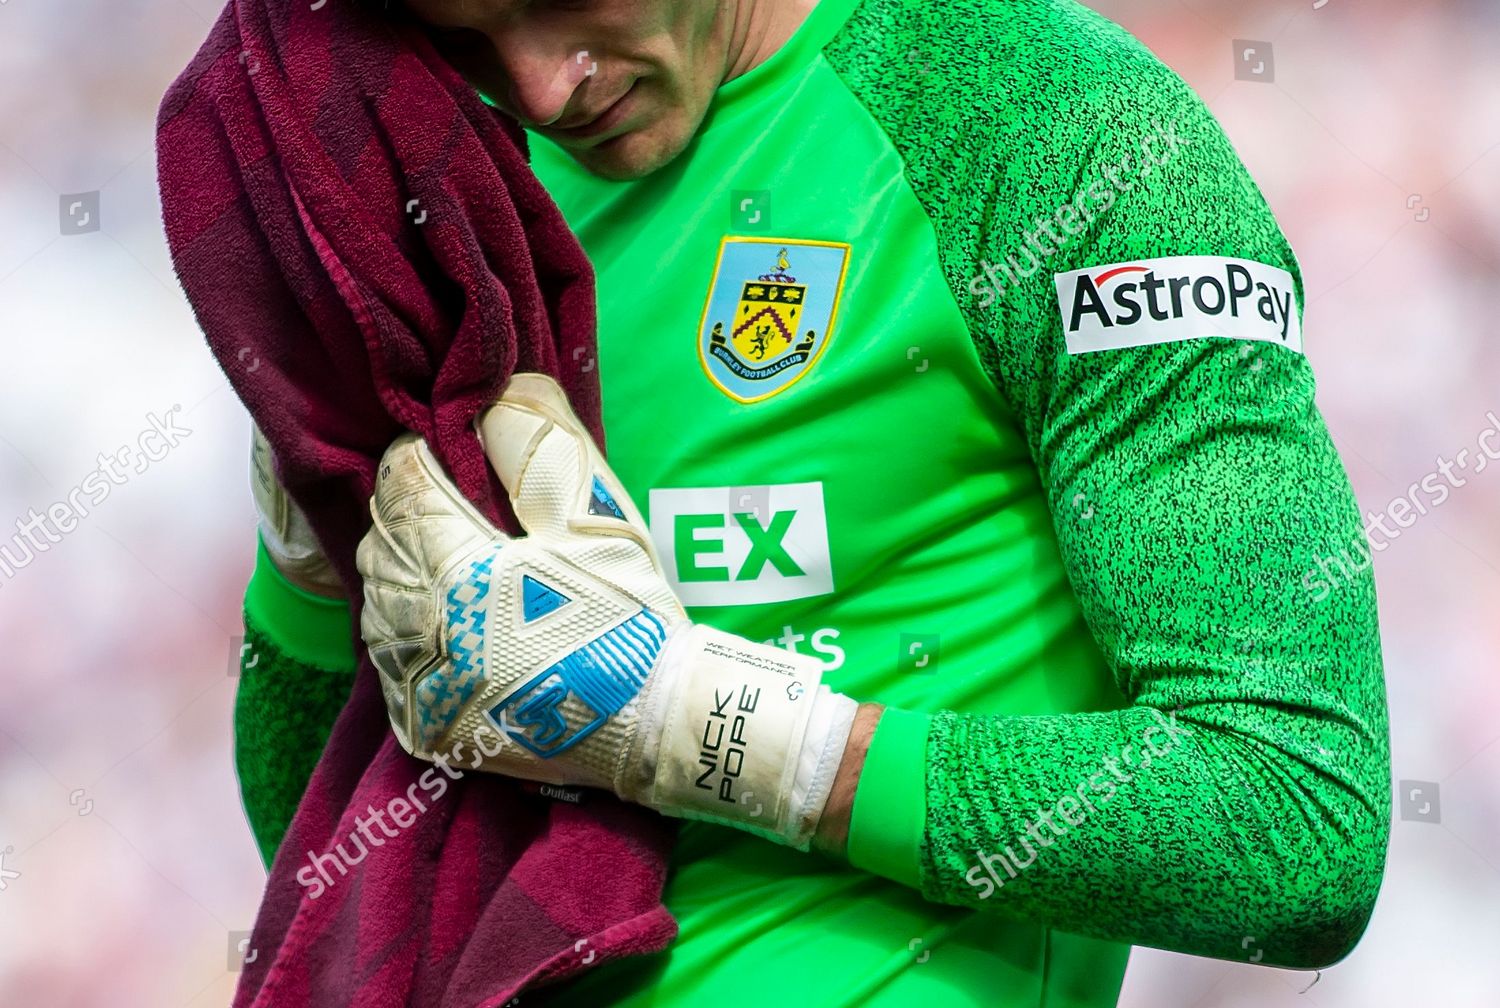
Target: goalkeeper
<point x="965" y="479"/>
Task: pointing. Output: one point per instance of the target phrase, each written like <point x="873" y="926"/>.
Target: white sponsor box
<point x="742" y="545"/>
<point x="1149" y="301"/>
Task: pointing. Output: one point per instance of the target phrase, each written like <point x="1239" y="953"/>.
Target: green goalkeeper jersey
<point x="959" y="350"/>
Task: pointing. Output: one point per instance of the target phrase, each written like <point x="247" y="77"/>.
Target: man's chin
<point x="633" y="154"/>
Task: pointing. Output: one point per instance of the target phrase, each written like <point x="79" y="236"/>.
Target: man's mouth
<point x="606" y="119"/>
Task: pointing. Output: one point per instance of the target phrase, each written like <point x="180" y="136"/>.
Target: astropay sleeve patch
<point x="1177" y="298"/>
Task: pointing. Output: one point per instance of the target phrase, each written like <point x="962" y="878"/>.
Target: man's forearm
<point x="832" y="836"/>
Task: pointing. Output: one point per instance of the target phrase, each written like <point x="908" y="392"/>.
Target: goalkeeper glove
<point x="284" y="529"/>
<point x="564" y="656"/>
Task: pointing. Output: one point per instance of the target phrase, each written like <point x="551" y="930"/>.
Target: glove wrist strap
<point x="740" y="733"/>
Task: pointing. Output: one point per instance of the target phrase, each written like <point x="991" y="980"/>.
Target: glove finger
<point x="396" y="655"/>
<point x="400" y="628"/>
<point x="556" y="476"/>
<point x="422" y="528"/>
<point x="421" y="523"/>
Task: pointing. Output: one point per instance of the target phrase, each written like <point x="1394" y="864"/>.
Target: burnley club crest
<point x="769" y="313"/>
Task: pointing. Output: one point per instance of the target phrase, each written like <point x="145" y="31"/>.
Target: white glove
<point x="564" y="656"/>
<point x="284" y="529"/>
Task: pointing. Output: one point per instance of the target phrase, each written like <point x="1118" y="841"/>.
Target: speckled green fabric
<point x="1192" y="486"/>
<point x="283" y="712"/>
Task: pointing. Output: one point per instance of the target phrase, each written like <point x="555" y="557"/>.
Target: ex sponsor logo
<point x="742" y="545"/>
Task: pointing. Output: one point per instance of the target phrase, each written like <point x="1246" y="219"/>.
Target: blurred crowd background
<point x="127" y="873"/>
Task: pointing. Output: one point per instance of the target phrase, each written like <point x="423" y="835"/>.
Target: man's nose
<point x="542" y="79"/>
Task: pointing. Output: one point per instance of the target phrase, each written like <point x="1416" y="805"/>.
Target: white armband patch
<point x="1177" y="298"/>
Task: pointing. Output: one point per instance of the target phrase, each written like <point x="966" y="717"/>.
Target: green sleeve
<point x="890" y="803"/>
<point x="1238" y="806"/>
<point x="295" y="673"/>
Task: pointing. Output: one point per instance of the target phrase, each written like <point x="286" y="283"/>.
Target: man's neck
<point x="758" y="28"/>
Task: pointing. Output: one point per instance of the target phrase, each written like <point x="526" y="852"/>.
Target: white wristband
<point x="822" y="752"/>
<point x="740" y="733"/>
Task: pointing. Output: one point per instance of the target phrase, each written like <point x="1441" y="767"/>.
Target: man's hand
<point x="564" y="656"/>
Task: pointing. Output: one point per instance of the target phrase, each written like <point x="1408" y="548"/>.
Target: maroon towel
<point x="367" y="250"/>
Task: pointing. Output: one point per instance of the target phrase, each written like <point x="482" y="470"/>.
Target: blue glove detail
<point x="442" y="694"/>
<point x="603" y="675"/>
<point x="537" y="599"/>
